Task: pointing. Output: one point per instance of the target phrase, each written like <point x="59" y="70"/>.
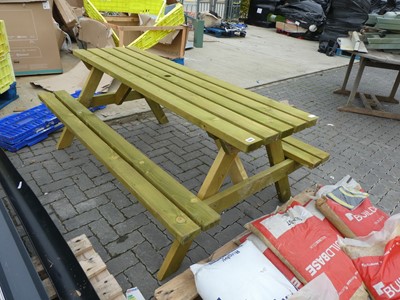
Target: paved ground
<point x="82" y="197"/>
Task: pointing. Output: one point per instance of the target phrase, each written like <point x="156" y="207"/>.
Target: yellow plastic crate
<point x="6" y="73"/>
<point x="131" y="6"/>
<point x="93" y="13"/>
<point x="151" y="37"/>
<point x="4" y="46"/>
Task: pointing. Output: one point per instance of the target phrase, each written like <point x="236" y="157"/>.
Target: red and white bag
<point x="350" y="210"/>
<point x="377" y="258"/>
<point x="309" y="247"/>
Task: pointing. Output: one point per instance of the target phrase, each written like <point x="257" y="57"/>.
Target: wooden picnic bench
<point x="237" y="119"/>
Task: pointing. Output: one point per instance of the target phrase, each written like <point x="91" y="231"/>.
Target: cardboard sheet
<point x="72" y="81"/>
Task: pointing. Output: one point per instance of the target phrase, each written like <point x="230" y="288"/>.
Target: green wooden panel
<point x="234" y="194"/>
<point x="177" y="222"/>
<point x="187" y="92"/>
<point x="230" y="87"/>
<point x="199" y="212"/>
<point x="212" y="97"/>
<point x="232" y="134"/>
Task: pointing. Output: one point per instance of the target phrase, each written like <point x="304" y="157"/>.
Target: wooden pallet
<point x="103" y="282"/>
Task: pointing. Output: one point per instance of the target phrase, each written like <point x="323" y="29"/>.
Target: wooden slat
<point x="303" y="153"/>
<point x="187" y="93"/>
<point x="234" y="194"/>
<point x="204" y="216"/>
<point x="234" y="135"/>
<point x="213" y="98"/>
<point x="230" y="87"/>
<point x="177" y="222"/>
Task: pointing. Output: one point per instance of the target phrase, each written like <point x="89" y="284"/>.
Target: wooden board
<point x="105" y="285"/>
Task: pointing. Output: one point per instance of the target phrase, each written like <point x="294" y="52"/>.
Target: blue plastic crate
<point x="18" y="127"/>
<point x="36" y="138"/>
<point x="9" y="96"/>
<point x="30" y="127"/>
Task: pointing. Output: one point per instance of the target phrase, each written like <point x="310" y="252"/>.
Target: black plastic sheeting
<point x="305" y="13"/>
<point x="381" y="7"/>
<point x="343" y="16"/>
<point x="67" y="276"/>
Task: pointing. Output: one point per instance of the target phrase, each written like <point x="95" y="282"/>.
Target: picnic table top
<point x="240" y="117"/>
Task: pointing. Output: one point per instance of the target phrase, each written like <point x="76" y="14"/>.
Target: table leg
<point x="394" y="89"/>
<point x="121" y="93"/>
<point x="275" y="156"/>
<point x="218" y="172"/>
<point x="157" y="111"/>
<point x="356" y="82"/>
<point x="346" y="77"/>
<point x="86" y="96"/>
<point x="173" y="259"/>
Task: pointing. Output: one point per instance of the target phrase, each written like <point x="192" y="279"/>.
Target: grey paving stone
<point x="140" y="277"/>
<point x="121" y="262"/>
<point x="82" y="219"/>
<point x="98" y="190"/>
<point x="90" y="204"/>
<point x="148" y="256"/>
<point x="103" y="231"/>
<point x="124" y="243"/>
<point x="64" y="209"/>
<point x="68" y="173"/>
<point x="111" y="214"/>
<point x="74" y="194"/>
<point x="154" y="236"/>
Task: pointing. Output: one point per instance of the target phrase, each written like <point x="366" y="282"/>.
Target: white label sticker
<point x="259" y="10"/>
<point x="46" y="5"/>
<point x="250" y="139"/>
<point x="311" y="116"/>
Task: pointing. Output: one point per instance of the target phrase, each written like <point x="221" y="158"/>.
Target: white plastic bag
<point x="243" y="274"/>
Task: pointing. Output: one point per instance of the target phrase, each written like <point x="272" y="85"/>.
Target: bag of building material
<point x="272" y="258"/>
<point x="349" y="208"/>
<point x="307" y="199"/>
<point x="377" y="258"/>
<point x="308" y="247"/>
<point x="243" y="274"/>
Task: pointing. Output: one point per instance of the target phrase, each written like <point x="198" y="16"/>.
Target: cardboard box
<point x="289" y="27"/>
<point x="33" y="43"/>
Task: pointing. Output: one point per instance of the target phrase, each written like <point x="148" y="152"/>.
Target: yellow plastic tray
<point x="151" y="37"/>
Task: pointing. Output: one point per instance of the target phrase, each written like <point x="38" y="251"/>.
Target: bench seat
<point x="179" y="210"/>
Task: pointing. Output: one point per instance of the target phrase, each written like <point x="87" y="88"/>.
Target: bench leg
<point x="173" y="260"/>
<point x="275" y="156"/>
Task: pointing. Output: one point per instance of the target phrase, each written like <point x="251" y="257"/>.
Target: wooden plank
<point x="182" y="287"/>
<point x="365" y="101"/>
<point x="303" y="153"/>
<point x="234" y="135"/>
<point x="108" y="288"/>
<point x="234" y="194"/>
<point x="370" y="112"/>
<point x="172" y="218"/>
<point x="227" y="87"/>
<point x="157" y="111"/>
<point x="376" y="102"/>
<point x="93" y="265"/>
<point x="171" y="189"/>
<point x="211" y="97"/>
<point x="80" y="245"/>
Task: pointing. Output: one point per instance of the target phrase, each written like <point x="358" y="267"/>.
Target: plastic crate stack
<point x="30" y="126"/>
<point x="8" y="86"/>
